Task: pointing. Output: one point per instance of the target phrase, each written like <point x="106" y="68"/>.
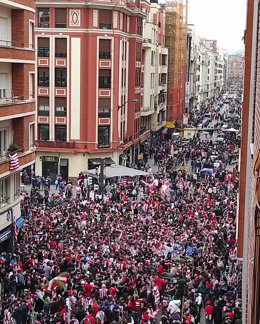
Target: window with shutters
<point x="103" y="136"/>
<point x="4" y="32"/>
<point x="61" y="18"/>
<point x="3" y="85"/>
<point x="105" y="19"/>
<point x="43" y="132"/>
<point x="60" y="77"/>
<point x="43" y="106"/>
<point x="4" y="191"/>
<point x="3" y="141"/>
<point x="43" y="77"/>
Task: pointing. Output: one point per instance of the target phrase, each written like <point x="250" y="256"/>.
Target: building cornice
<point x="68" y="31"/>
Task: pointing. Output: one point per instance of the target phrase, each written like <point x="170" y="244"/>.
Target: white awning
<point x="116" y="170"/>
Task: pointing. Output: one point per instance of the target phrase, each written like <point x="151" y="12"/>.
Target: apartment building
<point x="176" y="41"/>
<point x="17" y="106"/>
<point x="248" y="223"/>
<point x="89" y="61"/>
<point x="155" y="62"/>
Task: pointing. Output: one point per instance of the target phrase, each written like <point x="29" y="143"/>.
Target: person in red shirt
<point x="209" y="312"/>
<point x="89" y="319"/>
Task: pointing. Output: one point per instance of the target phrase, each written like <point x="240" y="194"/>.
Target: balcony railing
<point x="43" y="112"/>
<point x="60" y="54"/>
<point x="7" y="43"/>
<point x="55" y="144"/>
<point x="12" y="100"/>
<point x="60" y="113"/>
<point x="43" y="52"/>
<point x="105" y="55"/>
<point x="104" y="82"/>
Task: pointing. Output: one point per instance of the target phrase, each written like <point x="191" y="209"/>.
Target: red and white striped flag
<point x="15" y="230"/>
<point x="14" y="161"/>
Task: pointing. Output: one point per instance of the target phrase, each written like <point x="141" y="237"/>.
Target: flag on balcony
<point x="14" y="161"/>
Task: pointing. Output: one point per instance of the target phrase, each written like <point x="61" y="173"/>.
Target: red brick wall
<point x="20" y="81"/>
<point x="246" y="178"/>
<point x="21" y="131"/>
<point x="20" y="26"/>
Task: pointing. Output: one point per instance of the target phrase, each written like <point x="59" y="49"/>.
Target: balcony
<point x="147" y="42"/>
<point x="55" y="144"/>
<point x="146" y="111"/>
<point x="16" y="106"/>
<point x="15" y="51"/>
<point x="24" y="158"/>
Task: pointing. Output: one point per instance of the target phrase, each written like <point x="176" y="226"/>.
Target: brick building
<point x="17" y="106"/>
<point x="249" y="192"/>
<point x="89" y="76"/>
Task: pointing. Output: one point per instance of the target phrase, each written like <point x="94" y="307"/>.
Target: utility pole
<point x="102" y="177"/>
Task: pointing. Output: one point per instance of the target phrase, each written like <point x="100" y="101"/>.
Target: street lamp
<point x="135" y="100"/>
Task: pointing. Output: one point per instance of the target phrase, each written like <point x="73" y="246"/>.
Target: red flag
<point x="14" y="161"/>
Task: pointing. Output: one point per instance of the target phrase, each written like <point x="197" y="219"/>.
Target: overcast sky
<point x="223" y="20"/>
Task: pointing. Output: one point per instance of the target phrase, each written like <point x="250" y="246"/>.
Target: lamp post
<point x="135" y="100"/>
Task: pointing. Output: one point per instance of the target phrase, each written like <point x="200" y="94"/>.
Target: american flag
<point x="14" y="161"/>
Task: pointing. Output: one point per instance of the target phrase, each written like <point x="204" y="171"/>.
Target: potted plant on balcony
<point x="13" y="148"/>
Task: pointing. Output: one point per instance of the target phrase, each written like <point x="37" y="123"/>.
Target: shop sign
<point x="50" y="159"/>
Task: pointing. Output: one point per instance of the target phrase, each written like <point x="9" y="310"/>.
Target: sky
<point x="223" y="20"/>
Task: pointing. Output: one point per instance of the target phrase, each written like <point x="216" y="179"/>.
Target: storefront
<point x="53" y="166"/>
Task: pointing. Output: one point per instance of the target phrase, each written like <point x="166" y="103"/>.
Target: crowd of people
<point x="159" y="250"/>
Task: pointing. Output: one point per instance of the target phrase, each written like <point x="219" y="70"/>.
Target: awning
<point x="97" y="161"/>
<point x="5" y="235"/>
<point x="19" y="222"/>
<point x="118" y="171"/>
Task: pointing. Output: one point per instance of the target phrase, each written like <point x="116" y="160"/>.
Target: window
<point x="164" y="59"/>
<point x="43" y="77"/>
<point x="60" y="77"/>
<point x="31" y="85"/>
<point x="3" y="85"/>
<point x="60" y="47"/>
<point x="43" y="106"/>
<point x="43" y="18"/>
<point x="43" y="132"/>
<point x="31" y="33"/>
<point x="105" y="48"/>
<point x="4" y="191"/>
<point x="31" y="135"/>
<point x="17" y="185"/>
<point x="104" y="105"/>
<point x="61" y="107"/>
<point x="61" y="18"/>
<point x="105" y="18"/>
<point x="4" y="31"/>
<point x="60" y="133"/>
<point x="3" y="141"/>
<point x="104" y="79"/>
<point x="43" y="47"/>
<point x="103" y="136"/>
